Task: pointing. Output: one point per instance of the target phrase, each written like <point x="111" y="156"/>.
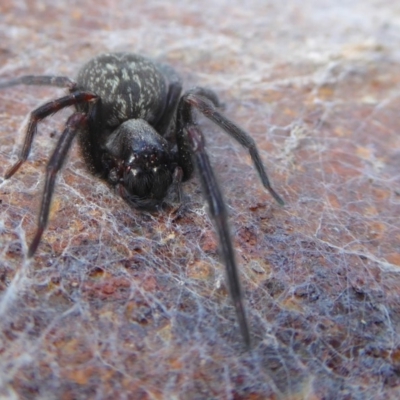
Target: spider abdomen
<point x="129" y="85"/>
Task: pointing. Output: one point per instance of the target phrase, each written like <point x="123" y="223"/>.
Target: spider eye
<point x="153" y="158"/>
<point x="113" y="176"/>
<point x="133" y="171"/>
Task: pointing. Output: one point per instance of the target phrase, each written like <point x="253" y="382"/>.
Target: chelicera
<point x="137" y="131"/>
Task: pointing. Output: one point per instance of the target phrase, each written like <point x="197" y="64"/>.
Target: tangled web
<point x="128" y="304"/>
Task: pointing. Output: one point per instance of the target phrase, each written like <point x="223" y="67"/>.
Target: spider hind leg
<point x="40" y="80"/>
<point x="199" y="99"/>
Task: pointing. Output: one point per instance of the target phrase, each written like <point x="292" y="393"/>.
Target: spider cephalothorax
<point x="137" y="132"/>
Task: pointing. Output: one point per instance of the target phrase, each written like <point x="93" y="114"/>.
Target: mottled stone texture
<point x="119" y="303"/>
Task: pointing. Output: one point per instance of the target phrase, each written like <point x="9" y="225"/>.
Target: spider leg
<point x="74" y="122"/>
<point x="219" y="214"/>
<point x="42" y="112"/>
<point x="40" y="80"/>
<point x="191" y="149"/>
<point x="173" y="96"/>
<point x="201" y="100"/>
<point x="176" y="183"/>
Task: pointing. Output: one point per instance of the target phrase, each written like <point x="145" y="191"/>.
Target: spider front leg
<point x="219" y="214"/>
<point x="74" y="122"/>
<point x="191" y="149"/>
<point x="41" y="113"/>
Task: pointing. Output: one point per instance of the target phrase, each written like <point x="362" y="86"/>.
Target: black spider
<point x="137" y="132"/>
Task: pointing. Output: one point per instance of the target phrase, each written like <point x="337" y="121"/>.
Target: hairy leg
<point x="41" y="113"/>
<point x="75" y="121"/>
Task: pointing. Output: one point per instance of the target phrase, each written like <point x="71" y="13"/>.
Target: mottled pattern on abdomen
<point x="129" y="86"/>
